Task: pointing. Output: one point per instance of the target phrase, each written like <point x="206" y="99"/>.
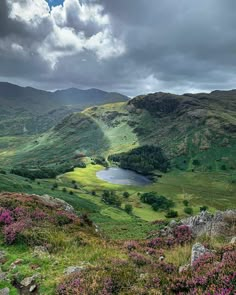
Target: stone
<point x="26" y="282"/>
<point x="197" y="251"/>
<point x="184" y="268"/>
<point x="5" y="291"/>
<point x="233" y="240"/>
<point x="73" y="269"/>
<point x="33" y="288"/>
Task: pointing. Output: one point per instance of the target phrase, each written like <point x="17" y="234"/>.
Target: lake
<point x="122" y="176"/>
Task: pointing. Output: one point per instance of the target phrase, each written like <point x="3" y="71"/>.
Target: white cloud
<point x="72" y="28"/>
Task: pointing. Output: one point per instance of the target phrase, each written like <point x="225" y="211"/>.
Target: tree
<point x="196" y="162"/>
<point x="157" y="202"/>
<point x="128" y="208"/>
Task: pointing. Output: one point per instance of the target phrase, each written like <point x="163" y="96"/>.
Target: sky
<point x="129" y="46"/>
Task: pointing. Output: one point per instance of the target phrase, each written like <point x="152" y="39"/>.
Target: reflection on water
<point x="122" y="176"/>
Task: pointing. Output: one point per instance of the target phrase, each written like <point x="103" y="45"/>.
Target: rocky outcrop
<point x="209" y="224"/>
<point x="56" y="203"/>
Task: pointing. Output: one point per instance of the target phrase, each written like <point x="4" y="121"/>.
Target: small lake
<point x="122" y="176"/>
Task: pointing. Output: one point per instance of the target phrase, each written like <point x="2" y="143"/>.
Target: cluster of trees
<point x="41" y="172"/>
<point x="143" y="159"/>
<point x="110" y="198"/>
<point x="100" y="161"/>
<point x="157" y="202"/>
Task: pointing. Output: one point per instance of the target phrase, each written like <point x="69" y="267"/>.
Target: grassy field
<point x="217" y="191"/>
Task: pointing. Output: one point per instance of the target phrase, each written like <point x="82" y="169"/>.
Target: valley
<point x="184" y="147"/>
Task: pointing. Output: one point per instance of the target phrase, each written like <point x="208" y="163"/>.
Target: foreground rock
<point x="221" y="223"/>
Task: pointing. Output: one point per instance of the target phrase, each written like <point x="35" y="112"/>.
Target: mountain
<point x="25" y="110"/>
<point x="194" y="131"/>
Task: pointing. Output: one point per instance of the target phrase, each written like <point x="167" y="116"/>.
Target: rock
<point x="3" y="258"/>
<point x="57" y="203"/>
<point x="173" y="223"/>
<point x="15" y="263"/>
<point x="233" y="240"/>
<point x="197" y="251"/>
<point x="5" y="291"/>
<point x="184" y="268"/>
<point x="73" y="269"/>
<point x="33" y="288"/>
<point x="26" y="282"/>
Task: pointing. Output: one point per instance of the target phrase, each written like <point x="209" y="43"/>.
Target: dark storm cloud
<point x="153" y="45"/>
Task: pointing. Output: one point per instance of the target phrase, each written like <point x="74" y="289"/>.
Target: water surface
<point x="122" y="176"/>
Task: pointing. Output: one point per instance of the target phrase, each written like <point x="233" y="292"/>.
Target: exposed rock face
<point x="197" y="251"/>
<point x="206" y="223"/>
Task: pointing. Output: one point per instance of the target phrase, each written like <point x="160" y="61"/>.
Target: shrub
<point x="12" y="231"/>
<point x="139" y="259"/>
<point x="131" y="245"/>
<point x="128" y="208"/>
<point x="186" y="203"/>
<point x="188" y="210"/>
<point x="126" y="195"/>
<point x="171" y="214"/>
<point x="182" y="234"/>
<point x="203" y="208"/>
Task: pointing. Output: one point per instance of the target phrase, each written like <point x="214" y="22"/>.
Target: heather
<point x="63" y="252"/>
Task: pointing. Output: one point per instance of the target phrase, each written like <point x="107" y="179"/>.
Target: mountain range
<point x="29" y="110"/>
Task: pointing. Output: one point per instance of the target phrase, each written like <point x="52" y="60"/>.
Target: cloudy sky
<point x="131" y="46"/>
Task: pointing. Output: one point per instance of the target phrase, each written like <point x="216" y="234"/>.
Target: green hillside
<point x="195" y="132"/>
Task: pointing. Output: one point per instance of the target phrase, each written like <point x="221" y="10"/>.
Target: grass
<point x="217" y="191"/>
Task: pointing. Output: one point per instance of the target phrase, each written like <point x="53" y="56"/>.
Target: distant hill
<point x="29" y="110"/>
<point x="195" y="131"/>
